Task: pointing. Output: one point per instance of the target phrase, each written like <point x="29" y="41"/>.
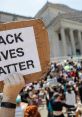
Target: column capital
<point x="62" y="28"/>
<point x="79" y="31"/>
<point x="71" y="29"/>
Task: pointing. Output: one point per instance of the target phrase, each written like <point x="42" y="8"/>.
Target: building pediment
<point x="66" y="22"/>
<point x="50" y="11"/>
<point x="60" y="7"/>
<point x="74" y="16"/>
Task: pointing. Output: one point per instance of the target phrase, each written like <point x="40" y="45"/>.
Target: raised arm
<point x="12" y="86"/>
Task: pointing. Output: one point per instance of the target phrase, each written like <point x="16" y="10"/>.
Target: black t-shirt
<point x="80" y="91"/>
<point x="57" y="106"/>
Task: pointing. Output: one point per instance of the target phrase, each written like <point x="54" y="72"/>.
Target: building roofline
<point x="42" y="9"/>
<point x="54" y="5"/>
<point x="7" y="13"/>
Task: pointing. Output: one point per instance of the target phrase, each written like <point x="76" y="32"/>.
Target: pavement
<point x="43" y="111"/>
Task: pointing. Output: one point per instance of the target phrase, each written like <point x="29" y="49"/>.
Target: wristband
<point x="8" y="105"/>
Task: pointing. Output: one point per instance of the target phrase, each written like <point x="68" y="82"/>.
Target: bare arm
<point x="12" y="86"/>
<point x="5" y="112"/>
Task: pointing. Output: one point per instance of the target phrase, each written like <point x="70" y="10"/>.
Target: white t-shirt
<point x="70" y="98"/>
<point x="19" y="112"/>
<point x="37" y="86"/>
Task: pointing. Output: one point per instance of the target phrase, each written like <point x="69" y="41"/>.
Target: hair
<point x="32" y="111"/>
<point x="57" y="95"/>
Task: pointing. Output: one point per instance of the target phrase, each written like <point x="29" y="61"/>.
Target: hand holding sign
<point x="12" y="86"/>
<point x="25" y="53"/>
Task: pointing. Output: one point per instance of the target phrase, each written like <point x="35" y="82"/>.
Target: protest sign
<point x="24" y="48"/>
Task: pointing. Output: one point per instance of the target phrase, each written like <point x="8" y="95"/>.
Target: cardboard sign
<point x="24" y="48"/>
<point x="20" y="53"/>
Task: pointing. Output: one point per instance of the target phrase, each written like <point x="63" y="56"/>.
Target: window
<point x="59" y="35"/>
<point x="78" y="51"/>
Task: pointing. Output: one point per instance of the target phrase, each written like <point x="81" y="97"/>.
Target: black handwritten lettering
<point x="9" y="40"/>
<point x="17" y="37"/>
<point x="2" y="40"/>
<point x="20" y="52"/>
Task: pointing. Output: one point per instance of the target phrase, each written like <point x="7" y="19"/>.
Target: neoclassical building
<point x="64" y="26"/>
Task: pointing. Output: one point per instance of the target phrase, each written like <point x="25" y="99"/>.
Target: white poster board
<point x="18" y="52"/>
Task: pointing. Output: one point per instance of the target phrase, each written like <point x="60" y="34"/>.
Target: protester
<point x="12" y="86"/>
<point x="58" y="106"/>
<point x="70" y="99"/>
<point x="70" y="96"/>
<point x="62" y="78"/>
<point x="32" y="111"/>
<point x="80" y="91"/>
<point x="19" y="110"/>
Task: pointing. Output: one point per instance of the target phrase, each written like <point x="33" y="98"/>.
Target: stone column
<point x="62" y="31"/>
<point x="72" y="41"/>
<point x="80" y="41"/>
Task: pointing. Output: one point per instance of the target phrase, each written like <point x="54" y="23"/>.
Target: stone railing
<point x="61" y="59"/>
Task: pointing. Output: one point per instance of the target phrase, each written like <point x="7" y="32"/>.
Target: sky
<point x="29" y="8"/>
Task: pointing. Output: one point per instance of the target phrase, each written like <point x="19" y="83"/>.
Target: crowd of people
<point x="60" y="89"/>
